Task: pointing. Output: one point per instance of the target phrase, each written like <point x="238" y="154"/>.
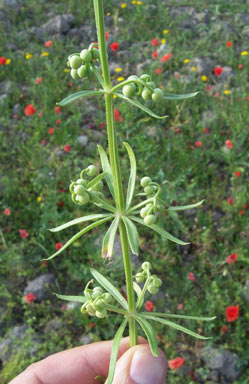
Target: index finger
<point x="79" y="365"/>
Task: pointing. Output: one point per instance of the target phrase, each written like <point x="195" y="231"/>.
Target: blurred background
<point x="199" y="152"/>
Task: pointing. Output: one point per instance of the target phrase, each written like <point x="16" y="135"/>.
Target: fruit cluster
<point x="151" y="190"/>
<point x="153" y="282"/>
<point x="79" y="190"/>
<point x="82" y="63"/>
<point x="96" y="299"/>
<point x="142" y="86"/>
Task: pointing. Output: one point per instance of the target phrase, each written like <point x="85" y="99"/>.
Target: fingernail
<point x="147" y="369"/>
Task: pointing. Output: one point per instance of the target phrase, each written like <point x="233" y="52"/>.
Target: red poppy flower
<point x="116" y="115"/>
<point x="237" y="173"/>
<point x="166" y="57"/>
<point x="106" y="35"/>
<point x="177" y="130"/>
<point x="232" y="258"/>
<point x="229" y="43"/>
<point x="154" y="42"/>
<point x="149" y="306"/>
<point x="232" y="312"/>
<point x="191" y="276"/>
<point x="29" y="110"/>
<point x="60" y="203"/>
<point x="230" y="201"/>
<point x="208" y="87"/>
<point x="158" y="71"/>
<point x="206" y="130"/>
<point x="176" y="363"/>
<point x="229" y="144"/>
<point x="198" y="143"/>
<point x="64" y="307"/>
<point x="67" y="148"/>
<point x="57" y="109"/>
<point x="218" y="71"/>
<point x="6" y="212"/>
<point x="224" y="329"/>
<point x="58" y="121"/>
<point x="29" y="298"/>
<point x="101" y="125"/>
<point x="51" y="131"/>
<point x="23" y="233"/>
<point x="114" y="46"/>
<point x="241" y="212"/>
<point x="155" y="55"/>
<point x="40" y="114"/>
<point x="43" y="142"/>
<point x="58" y="246"/>
<point x="3" y="60"/>
<point x="240" y="66"/>
<point x="48" y="44"/>
<point x="245" y="206"/>
<point x="179" y="306"/>
<point x="38" y="80"/>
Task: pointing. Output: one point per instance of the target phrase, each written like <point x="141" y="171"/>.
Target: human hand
<point x="81" y="365"/>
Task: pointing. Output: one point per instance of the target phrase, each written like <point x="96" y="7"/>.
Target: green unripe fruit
<point x="146" y="266"/>
<point x="150" y="219"/>
<point x="152" y="289"/>
<point x="97" y="291"/>
<point x="99" y="304"/>
<point x="99" y="194"/>
<point x="96" y="54"/>
<point x="81" y="182"/>
<point x="75" y="62"/>
<point x="145" y="181"/>
<point x="143" y="212"/>
<point x="83" y="199"/>
<point x="132" y="77"/>
<point x="86" y="56"/>
<point x="101" y="314"/>
<point x="146" y="94"/>
<point x="107" y="298"/>
<point x="157" y="95"/>
<point x="74" y="74"/>
<point x="91" y="170"/>
<point x="99" y="186"/>
<point x="157" y="282"/>
<point x="150" y="189"/>
<point x="79" y="190"/>
<point x="129" y="90"/>
<point x="148" y="206"/>
<point x="140" y="277"/>
<point x="82" y="72"/>
<point x="145" y="77"/>
<point x="151" y="84"/>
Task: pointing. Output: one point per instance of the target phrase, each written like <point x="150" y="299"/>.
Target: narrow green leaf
<point x="159" y="314"/>
<point x="171" y="96"/>
<point x="183" y="207"/>
<point x="101" y="202"/>
<point x="150" y="334"/>
<point x="132" y="234"/>
<point x="77" y="299"/>
<point x="77" y="95"/>
<point x="80" y="220"/>
<point x="95" y="180"/>
<point x="137" y="289"/>
<point x="114" y="353"/>
<point x="106" y="168"/>
<point x="110" y="288"/>
<point x="109" y="238"/>
<point x="77" y="236"/>
<point x="161" y="231"/>
<point x="132" y="178"/>
<point x="176" y="326"/>
<point x="139" y="105"/>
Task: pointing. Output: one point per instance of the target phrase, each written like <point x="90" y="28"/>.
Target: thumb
<point x="139" y="366"/>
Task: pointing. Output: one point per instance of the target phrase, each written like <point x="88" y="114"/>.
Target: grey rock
<point x="12" y="4"/>
<point x="88" y="33"/>
<point x="75" y="33"/>
<point x="6" y="87"/>
<point x="140" y="67"/>
<point x="225" y="362"/>
<point x="96" y="136"/>
<point x="245" y="32"/>
<point x="82" y="140"/>
<point x="16" y="109"/>
<point x="58" y="24"/>
<point x="14" y="342"/>
<point x="188" y="17"/>
<point x="90" y="148"/>
<point x="39" y="286"/>
<point x="207" y="118"/>
<point x="38" y="33"/>
<point x="3" y="99"/>
<point x="214" y="376"/>
<point x="85" y="339"/>
<point x="217" y="216"/>
<point x="53" y="325"/>
<point x="204" y="65"/>
<point x="227" y="74"/>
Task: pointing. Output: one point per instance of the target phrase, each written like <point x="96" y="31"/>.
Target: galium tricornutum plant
<point x="120" y="212"/>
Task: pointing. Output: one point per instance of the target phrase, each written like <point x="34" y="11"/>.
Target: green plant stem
<point x="115" y="164"/>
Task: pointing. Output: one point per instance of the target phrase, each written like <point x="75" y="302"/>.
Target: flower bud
<point x="152" y="289"/>
<point x="146" y="266"/>
<point x="99" y="304"/>
<point x="79" y="190"/>
<point x="150" y="219"/>
<point x="145" y="77"/>
<point x="82" y="72"/>
<point x="75" y="62"/>
<point x="86" y="55"/>
<point x="97" y="291"/>
<point x="157" y="95"/>
<point x="90" y="309"/>
<point x="146" y="94"/>
<point x="99" y="186"/>
<point x="150" y="189"/>
<point x="132" y="77"/>
<point x="91" y="170"/>
<point x="157" y="282"/>
<point x="101" y="314"/>
<point x="143" y="212"/>
<point x="74" y="74"/>
<point x="129" y="90"/>
<point x="145" y="181"/>
<point x="140" y="277"/>
<point x="107" y="298"/>
<point x="151" y="84"/>
<point x="81" y="181"/>
<point x="83" y="199"/>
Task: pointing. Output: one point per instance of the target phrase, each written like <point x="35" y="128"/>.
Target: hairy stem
<point x="115" y="164"/>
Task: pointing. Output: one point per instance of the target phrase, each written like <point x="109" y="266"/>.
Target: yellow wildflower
<point x="8" y="61"/>
<point x="139" y="2"/>
<point x="244" y="53"/>
<point x="133" y="2"/>
<point x="120" y="78"/>
<point x="186" y="61"/>
<point x="28" y="55"/>
<point x="66" y="70"/>
<point x="204" y="78"/>
<point x="165" y="31"/>
<point x="114" y="96"/>
<point x="44" y="54"/>
<point x="39" y="199"/>
<point x="108" y="14"/>
<point x="123" y="5"/>
<point x="118" y="69"/>
<point x="194" y="69"/>
<point x="227" y="92"/>
<point x="163" y="41"/>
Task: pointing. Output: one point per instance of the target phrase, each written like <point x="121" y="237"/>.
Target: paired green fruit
<point x="145" y="181"/>
<point x="82" y="71"/>
<point x="129" y="90"/>
<point x="150" y="219"/>
<point x="86" y="56"/>
<point x="75" y="62"/>
<point x="157" y="95"/>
